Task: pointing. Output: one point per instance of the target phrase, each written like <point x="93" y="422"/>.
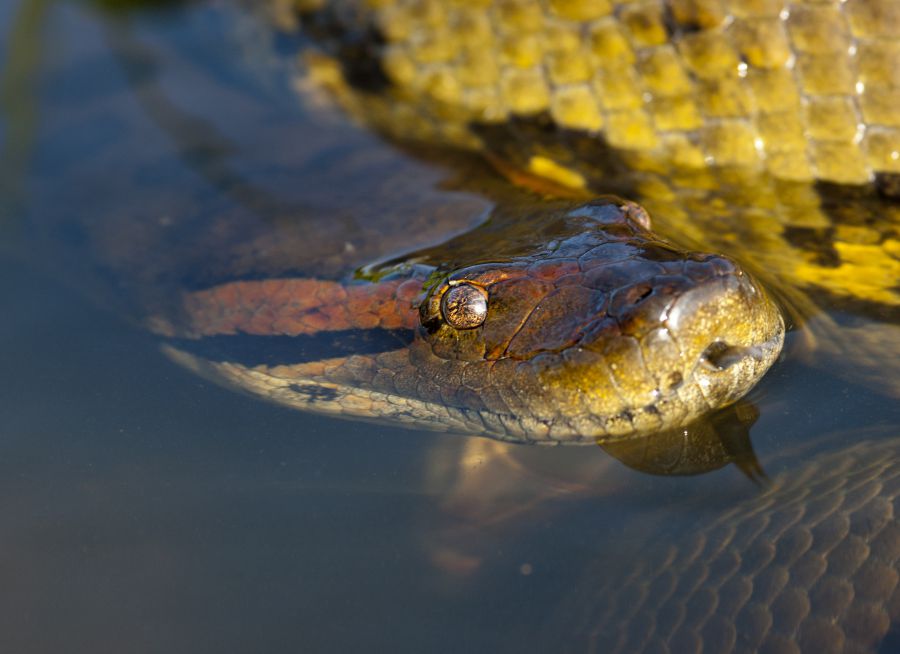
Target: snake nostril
<point x="719" y="355"/>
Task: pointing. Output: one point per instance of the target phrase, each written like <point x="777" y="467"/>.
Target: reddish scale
<point x="557" y="322"/>
<point x="293" y="307"/>
<point x="510" y="304"/>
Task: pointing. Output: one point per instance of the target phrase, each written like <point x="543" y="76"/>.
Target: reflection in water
<point x="143" y="509"/>
<point x="706" y="445"/>
<point x="198" y="142"/>
<point x="18" y="76"/>
<point x="489" y="489"/>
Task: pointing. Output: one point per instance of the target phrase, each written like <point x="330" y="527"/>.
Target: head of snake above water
<point x="578" y="325"/>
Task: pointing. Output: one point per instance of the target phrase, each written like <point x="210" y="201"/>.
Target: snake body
<point x="810" y="565"/>
<point x="805" y="91"/>
<point x="713" y="115"/>
<point x="769" y="131"/>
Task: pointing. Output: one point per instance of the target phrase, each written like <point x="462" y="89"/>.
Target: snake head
<point x="603" y="330"/>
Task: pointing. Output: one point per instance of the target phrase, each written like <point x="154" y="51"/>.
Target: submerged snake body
<point x="811" y="565"/>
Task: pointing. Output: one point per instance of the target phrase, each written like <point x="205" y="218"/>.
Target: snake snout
<point x="729" y="332"/>
<point x="693" y="335"/>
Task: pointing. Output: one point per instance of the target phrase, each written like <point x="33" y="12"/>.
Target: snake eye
<point x="464" y="306"/>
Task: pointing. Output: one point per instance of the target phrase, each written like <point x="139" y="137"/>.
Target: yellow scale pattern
<point x="762" y="96"/>
<point x="805" y="90"/>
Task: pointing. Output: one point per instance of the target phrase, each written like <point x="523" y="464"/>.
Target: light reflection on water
<point x="144" y="509"/>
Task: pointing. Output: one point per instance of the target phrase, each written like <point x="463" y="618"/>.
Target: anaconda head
<point x="553" y="322"/>
<point x="602" y="332"/>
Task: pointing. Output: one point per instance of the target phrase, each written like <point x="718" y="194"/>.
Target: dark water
<point x="143" y="509"/>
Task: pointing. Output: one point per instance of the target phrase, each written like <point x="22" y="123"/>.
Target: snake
<point x="732" y="129"/>
<point x="766" y="131"/>
<point x="578" y="325"/>
<point x="758" y="137"/>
